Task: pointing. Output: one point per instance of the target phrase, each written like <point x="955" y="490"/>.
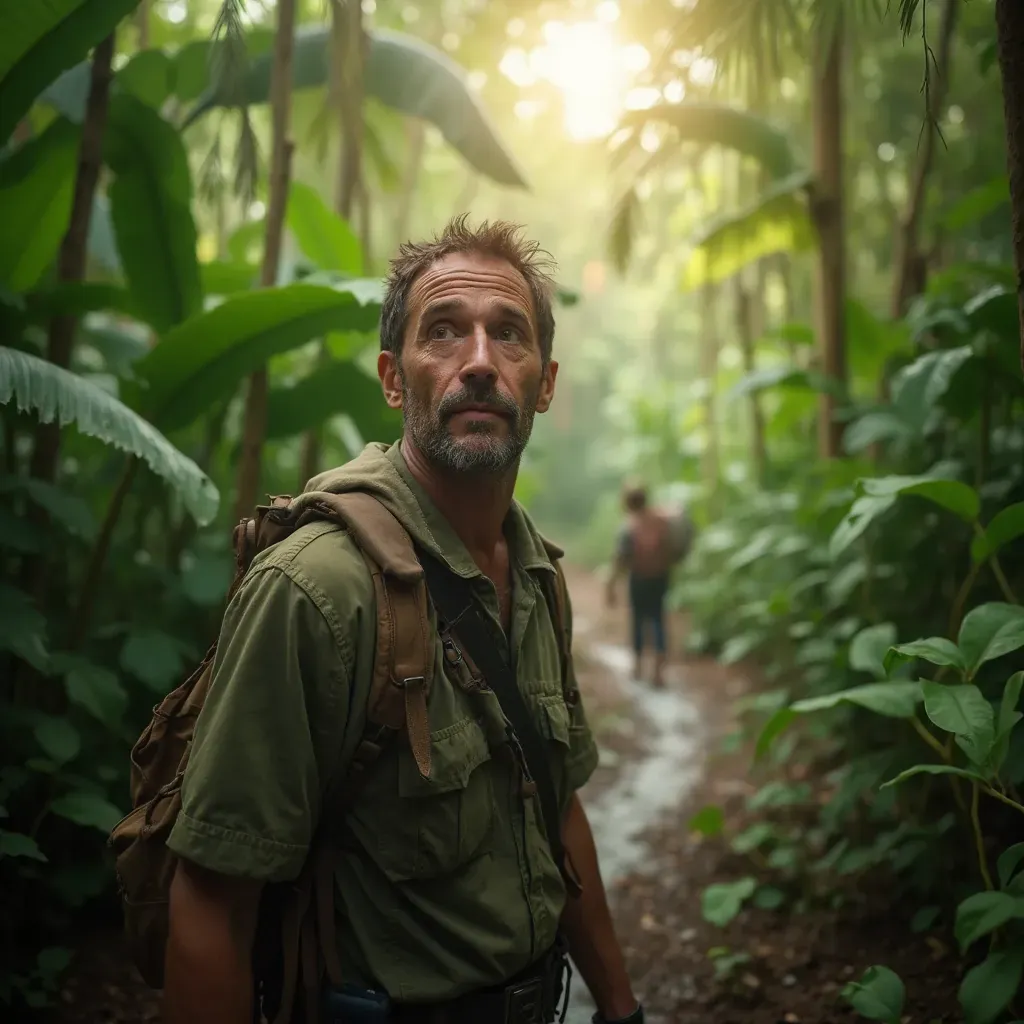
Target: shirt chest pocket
<point x="434" y="826"/>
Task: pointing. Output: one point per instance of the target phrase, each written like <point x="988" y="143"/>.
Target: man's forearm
<point x="208" y="967"/>
<point x="587" y="923"/>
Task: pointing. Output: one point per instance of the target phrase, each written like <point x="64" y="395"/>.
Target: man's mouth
<point x="476" y="409"/>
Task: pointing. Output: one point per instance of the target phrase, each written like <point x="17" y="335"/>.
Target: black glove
<point x="636" y="1017"/>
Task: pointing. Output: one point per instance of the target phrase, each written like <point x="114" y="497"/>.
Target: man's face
<point x="470" y="376"/>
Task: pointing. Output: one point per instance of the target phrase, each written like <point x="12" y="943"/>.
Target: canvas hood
<point x="381" y="470"/>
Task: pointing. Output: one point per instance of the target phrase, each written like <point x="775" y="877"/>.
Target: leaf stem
<point x="932" y="742"/>
<point x="957" y="614"/>
<point x="1004" y="799"/>
<point x="94" y="570"/>
<point x="979" y="839"/>
<point x="1004" y="585"/>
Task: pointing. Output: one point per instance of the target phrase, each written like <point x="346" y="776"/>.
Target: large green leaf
<point x="1007" y="718"/>
<point x="1008" y="862"/>
<point x="863" y="512"/>
<point x="990" y="631"/>
<point x="721" y="902"/>
<point x="22" y="627"/>
<point x="77" y="298"/>
<point x="223" y="277"/>
<point x="151" y="206"/>
<point x="338" y="387"/>
<point x="963" y="711"/>
<point x="40" y="39"/>
<point x="959" y="498"/>
<point x="1007" y="526"/>
<point x="97" y="690"/>
<point x="917" y="388"/>
<point x="324" y="237"/>
<point x="781" y="377"/>
<point x="154" y="657"/>
<point x="977" y="203"/>
<point x="404" y="73"/>
<point x="990" y="987"/>
<point x="984" y="912"/>
<point x="868" y="648"/>
<point x="36" y="185"/>
<point x="205" y="358"/>
<point x="58" y="738"/>
<point x="14" y="844"/>
<point x="88" y="809"/>
<point x="894" y="700"/>
<point x="714" y="124"/>
<point x="777" y="221"/>
<point x="879" y="995"/>
<point x="71" y="511"/>
<point x="933" y="769"/>
<point x="872" y="427"/>
<point x="936" y="649"/>
<point x="58" y="395"/>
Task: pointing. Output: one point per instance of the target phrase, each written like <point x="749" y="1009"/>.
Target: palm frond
<point x="55" y="394"/>
<point x="777" y="221"/>
<point x="731" y="127"/>
<point x="229" y="68"/>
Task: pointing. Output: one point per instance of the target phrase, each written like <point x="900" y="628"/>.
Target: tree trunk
<point x="348" y="45"/>
<point x="745" y="331"/>
<point x="255" y="417"/>
<point x="71" y="263"/>
<point x="1010" y="34"/>
<point x="416" y="136"/>
<point x="909" y="279"/>
<point x="74" y="249"/>
<point x="709" y="374"/>
<point x="827" y="205"/>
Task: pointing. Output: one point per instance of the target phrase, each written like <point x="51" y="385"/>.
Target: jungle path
<point x="662" y="759"/>
<point x="666" y="755"/>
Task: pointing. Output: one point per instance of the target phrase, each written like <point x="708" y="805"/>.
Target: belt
<point x="529" y="998"/>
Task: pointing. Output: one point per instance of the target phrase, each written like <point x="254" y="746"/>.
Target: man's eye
<point x="511" y="334"/>
<point x="442" y="332"/>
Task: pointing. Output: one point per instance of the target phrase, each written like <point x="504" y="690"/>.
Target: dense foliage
<point x="835" y="386"/>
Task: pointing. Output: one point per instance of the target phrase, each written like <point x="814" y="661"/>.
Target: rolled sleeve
<point x="252" y="788"/>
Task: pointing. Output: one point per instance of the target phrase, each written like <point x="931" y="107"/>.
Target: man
<point x="645" y="552"/>
<point x="446" y="887"/>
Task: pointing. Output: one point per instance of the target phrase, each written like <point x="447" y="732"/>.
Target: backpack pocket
<point x="437" y="824"/>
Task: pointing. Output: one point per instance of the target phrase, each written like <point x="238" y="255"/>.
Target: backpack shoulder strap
<point x="402" y="674"/>
<point x="404" y="659"/>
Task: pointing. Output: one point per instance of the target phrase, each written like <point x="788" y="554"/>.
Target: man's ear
<point x="547" y="386"/>
<point x="390" y="379"/>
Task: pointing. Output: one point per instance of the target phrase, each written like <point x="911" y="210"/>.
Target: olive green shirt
<point x="445" y="884"/>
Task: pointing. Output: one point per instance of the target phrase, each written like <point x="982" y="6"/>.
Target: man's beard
<point x="480" y="450"/>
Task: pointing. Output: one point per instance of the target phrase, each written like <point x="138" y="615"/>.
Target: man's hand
<point x="587" y="925"/>
<point x="208" y="970"/>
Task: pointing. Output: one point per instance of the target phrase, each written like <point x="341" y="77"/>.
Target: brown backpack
<point x="403" y="668"/>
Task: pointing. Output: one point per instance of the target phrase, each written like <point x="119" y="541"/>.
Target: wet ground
<point x="662" y="760"/>
<point x="666" y="757"/>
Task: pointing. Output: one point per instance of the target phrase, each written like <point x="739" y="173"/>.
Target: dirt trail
<point x="663" y="759"/>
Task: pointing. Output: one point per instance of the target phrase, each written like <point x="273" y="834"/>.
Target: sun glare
<point x="591" y="68"/>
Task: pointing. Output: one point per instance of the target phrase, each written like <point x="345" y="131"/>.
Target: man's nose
<point x="480" y="363"/>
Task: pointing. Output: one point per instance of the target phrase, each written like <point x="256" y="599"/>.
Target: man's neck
<point x="475" y="504"/>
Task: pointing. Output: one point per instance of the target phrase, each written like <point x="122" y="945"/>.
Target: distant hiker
<point x="650" y="543"/>
<point x="378" y="820"/>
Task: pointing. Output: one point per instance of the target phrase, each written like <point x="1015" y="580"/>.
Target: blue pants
<point x="647" y="607"/>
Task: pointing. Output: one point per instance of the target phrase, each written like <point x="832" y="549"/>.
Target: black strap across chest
<point x="463" y="614"/>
